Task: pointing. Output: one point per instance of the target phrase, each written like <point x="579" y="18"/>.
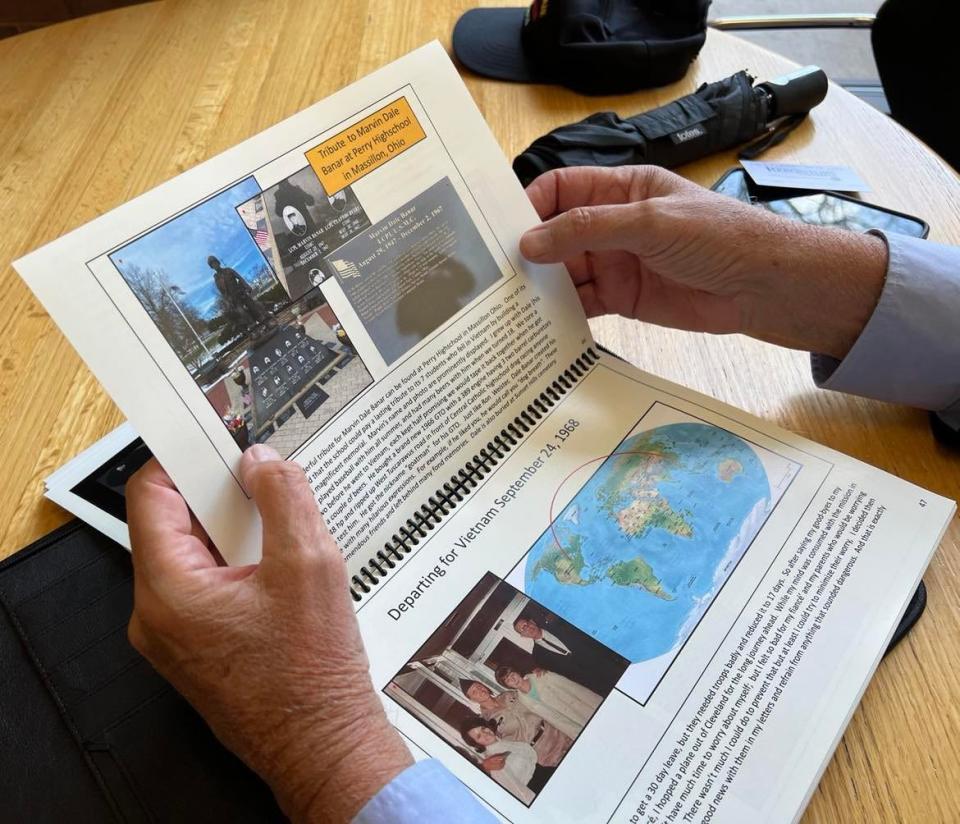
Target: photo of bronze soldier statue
<point x="243" y="310"/>
<point x="272" y="368"/>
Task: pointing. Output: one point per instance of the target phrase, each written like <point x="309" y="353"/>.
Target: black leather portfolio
<point x="88" y="730"/>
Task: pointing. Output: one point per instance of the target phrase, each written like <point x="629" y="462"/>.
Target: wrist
<point x="333" y="768"/>
<point x="814" y="288"/>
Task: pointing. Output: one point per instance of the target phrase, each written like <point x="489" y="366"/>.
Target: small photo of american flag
<point x="261" y="237"/>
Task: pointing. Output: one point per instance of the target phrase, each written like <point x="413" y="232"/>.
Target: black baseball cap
<point x="591" y="46"/>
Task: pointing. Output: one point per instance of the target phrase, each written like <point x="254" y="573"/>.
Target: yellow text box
<point x="366" y="145"/>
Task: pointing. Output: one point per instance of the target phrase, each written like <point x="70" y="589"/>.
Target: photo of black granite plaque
<point x="295" y="224"/>
<point x="311" y="400"/>
<point x="413" y="271"/>
<point x="284" y="416"/>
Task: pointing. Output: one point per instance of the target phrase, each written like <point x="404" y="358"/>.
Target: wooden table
<point x="97" y="110"/>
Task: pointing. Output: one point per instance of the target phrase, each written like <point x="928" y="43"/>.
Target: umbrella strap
<point x="775" y="135"/>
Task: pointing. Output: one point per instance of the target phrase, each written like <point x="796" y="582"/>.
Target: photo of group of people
<point x="255" y="334"/>
<point x="507" y="684"/>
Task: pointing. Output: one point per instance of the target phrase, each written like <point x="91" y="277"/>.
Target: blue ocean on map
<point x="640" y="552"/>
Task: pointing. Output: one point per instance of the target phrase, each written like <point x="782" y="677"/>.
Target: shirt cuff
<point x="426" y="791"/>
<point x="909" y="350"/>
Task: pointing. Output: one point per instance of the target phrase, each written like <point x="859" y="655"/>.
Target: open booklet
<point x="595" y="595"/>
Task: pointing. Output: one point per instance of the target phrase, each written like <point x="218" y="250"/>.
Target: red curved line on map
<point x="553" y="500"/>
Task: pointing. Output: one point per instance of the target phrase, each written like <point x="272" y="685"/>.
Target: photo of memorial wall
<point x="295" y="224"/>
<point x="507" y="684"/>
<point x="274" y="368"/>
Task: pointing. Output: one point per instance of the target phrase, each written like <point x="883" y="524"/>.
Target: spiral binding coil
<point x="453" y="492"/>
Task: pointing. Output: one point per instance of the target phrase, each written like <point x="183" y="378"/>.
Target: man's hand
<point x="270" y="655"/>
<point x="642" y="242"/>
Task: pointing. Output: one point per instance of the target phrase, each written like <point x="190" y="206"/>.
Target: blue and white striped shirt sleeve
<point x="909" y="350"/>
<point x="424" y="792"/>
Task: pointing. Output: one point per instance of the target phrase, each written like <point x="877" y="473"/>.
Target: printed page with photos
<point x="657" y="607"/>
<point x="345" y="287"/>
<point x="596" y="596"/>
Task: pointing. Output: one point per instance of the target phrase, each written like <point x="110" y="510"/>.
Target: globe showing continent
<point x="638" y="555"/>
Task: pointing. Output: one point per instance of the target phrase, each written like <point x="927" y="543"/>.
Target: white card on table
<point x="803" y="176"/>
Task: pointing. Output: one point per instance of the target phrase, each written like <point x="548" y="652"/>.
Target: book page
<point x="344" y="287"/>
<point x="670" y="606"/>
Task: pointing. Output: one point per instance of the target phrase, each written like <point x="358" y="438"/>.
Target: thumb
<point x="584" y="229"/>
<point x="292" y="524"/>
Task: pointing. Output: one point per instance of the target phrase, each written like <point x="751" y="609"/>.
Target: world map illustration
<point x="640" y="552"/>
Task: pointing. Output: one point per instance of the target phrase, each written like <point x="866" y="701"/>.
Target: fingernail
<point x="534" y="243"/>
<point x="260" y="452"/>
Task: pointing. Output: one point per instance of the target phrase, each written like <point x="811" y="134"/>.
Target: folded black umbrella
<point x="715" y="117"/>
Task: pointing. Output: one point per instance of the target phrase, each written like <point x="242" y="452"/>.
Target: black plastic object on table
<point x="715" y="117"/>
